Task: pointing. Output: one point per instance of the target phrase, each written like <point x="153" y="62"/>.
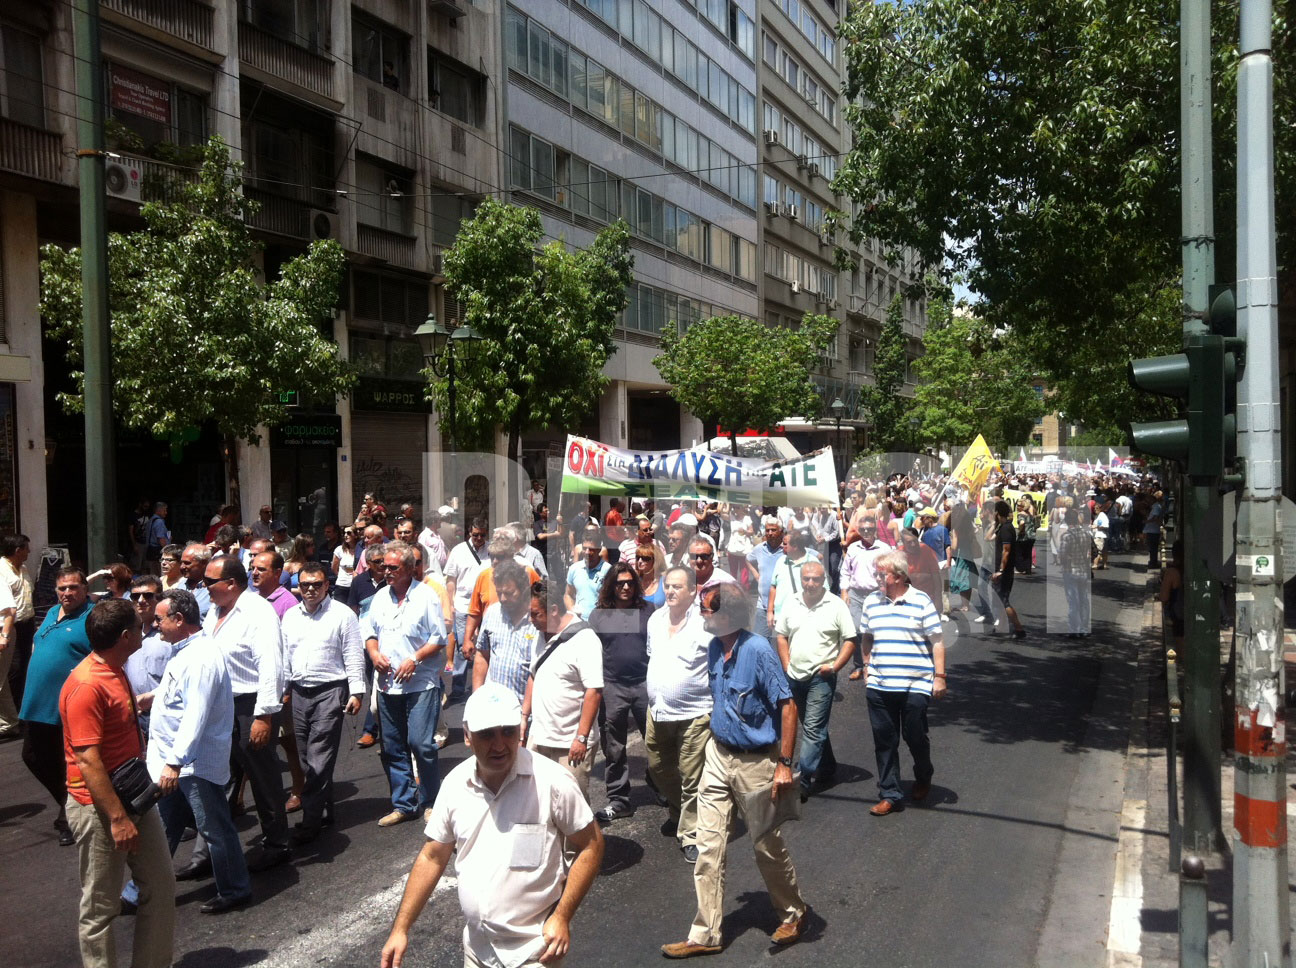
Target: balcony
<point x="30" y="151"/>
<point x="395" y="248"/>
<point x="186" y="20"/>
<point x="279" y="215"/>
<point x="286" y="61"/>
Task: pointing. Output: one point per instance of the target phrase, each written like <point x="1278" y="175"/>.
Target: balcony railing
<point x="285" y="60"/>
<point x="30" y="151"/>
<point x="189" y="20"/>
<point x="393" y="247"/>
<point x="162" y="182"/>
<point x="282" y="216"/>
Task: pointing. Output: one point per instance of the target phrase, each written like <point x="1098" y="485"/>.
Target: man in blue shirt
<point x="764" y="559"/>
<point x="585" y="578"/>
<point x="748" y="765"/>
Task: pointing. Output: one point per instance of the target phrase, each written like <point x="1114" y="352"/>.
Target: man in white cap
<point x="517" y="895"/>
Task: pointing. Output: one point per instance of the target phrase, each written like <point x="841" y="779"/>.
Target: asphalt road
<point x="1008" y="863"/>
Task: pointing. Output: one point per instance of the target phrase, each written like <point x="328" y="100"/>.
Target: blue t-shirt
<point x="937" y="538"/>
<point x="587" y="584"/>
<point x="58" y="648"/>
<point x="746" y="691"/>
<point x="766" y="562"/>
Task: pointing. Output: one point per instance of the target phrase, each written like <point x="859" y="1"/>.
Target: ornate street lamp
<point x="440" y="349"/>
<point x="839" y="409"/>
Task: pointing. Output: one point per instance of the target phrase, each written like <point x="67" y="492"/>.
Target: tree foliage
<point x="195" y="335"/>
<point x="743" y="374"/>
<point x="546" y="316"/>
<point x="883" y="407"/>
<point x="973" y="380"/>
<point x="1032" y="146"/>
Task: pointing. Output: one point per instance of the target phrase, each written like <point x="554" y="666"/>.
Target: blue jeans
<point x="892" y="715"/>
<point x="761" y="626"/>
<point x="461" y="675"/>
<point x="206" y="804"/>
<point x="814" y="700"/>
<point x="1078" y="602"/>
<point x="409" y="723"/>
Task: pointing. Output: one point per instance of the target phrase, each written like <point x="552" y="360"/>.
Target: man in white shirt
<point x="517" y="894"/>
<point x="816" y="636"/>
<point x="527" y="555"/>
<point x="432" y="542"/>
<point x="859" y="579"/>
<point x="565" y="687"/>
<point x="188" y="756"/>
<point x="642" y="536"/>
<point x="245" y="628"/>
<point x="1100" y="526"/>
<point x="679" y="712"/>
<point x="403" y="632"/>
<point x="324" y="663"/>
<point x="786" y="580"/>
<point x="462" y="566"/>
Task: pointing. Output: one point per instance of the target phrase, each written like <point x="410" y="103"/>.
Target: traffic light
<point x="1201" y="376"/>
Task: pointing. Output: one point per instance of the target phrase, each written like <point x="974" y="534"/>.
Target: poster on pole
<point x="593" y="467"/>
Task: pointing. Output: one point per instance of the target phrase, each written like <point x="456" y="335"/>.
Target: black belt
<point x="317" y="687"/>
<point x="741" y="749"/>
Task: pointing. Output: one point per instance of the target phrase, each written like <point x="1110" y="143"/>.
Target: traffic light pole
<point x="1201" y="725"/>
<point x="1261" y="919"/>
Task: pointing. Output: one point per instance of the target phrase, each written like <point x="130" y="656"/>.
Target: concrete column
<point x="346" y="508"/>
<point x="614" y="415"/>
<point x="434" y="466"/>
<point x="691" y="431"/>
<point x="20" y="263"/>
<point x="254" y="474"/>
<point x="226" y="104"/>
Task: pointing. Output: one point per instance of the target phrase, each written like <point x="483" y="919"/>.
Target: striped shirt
<point x="902" y="631"/>
<point x="509" y="649"/>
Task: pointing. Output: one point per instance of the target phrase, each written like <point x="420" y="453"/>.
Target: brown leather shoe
<point x="365" y="741"/>
<point x="789" y="932"/>
<point x="856" y="676"/>
<point x="919" y="792"/>
<point x="690" y="949"/>
<point x="882" y="808"/>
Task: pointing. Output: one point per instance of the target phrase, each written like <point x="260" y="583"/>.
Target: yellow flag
<point x="976" y="465"/>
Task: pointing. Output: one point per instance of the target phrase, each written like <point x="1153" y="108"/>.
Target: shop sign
<point x="308" y="430"/>
<point x="148" y="97"/>
<point x="391" y="396"/>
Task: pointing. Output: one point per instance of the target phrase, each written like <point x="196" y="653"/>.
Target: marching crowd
<point x="718" y="633"/>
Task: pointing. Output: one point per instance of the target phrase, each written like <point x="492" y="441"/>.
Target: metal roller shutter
<point x="387" y="450"/>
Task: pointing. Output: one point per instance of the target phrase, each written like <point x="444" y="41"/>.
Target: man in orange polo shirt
<point x="100" y="733"/>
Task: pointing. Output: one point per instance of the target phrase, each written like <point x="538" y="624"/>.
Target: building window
<point x="393" y="301"/>
<point x="448" y="214"/>
<point x="22" y="89"/>
<point x="455" y="89"/>
<point x="301" y="22"/>
<point x="280" y="158"/>
<point x="383" y="197"/>
<point x="380" y="53"/>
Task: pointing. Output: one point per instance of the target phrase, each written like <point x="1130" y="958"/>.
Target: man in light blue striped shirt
<point x="900" y="635"/>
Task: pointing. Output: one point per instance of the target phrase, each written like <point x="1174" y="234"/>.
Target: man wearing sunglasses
<point x="144" y="668"/>
<point x="517" y="893"/>
<point x="702" y="557"/>
<point x="245" y="627"/>
<point x="324" y="663"/>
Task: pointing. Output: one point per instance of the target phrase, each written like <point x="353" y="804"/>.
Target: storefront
<point x="389" y="427"/>
<point x="303" y="471"/>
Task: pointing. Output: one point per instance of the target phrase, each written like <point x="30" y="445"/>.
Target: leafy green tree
<point x="741" y="373"/>
<point x="973" y="380"/>
<point x="1032" y="147"/>
<point x="884" y="408"/>
<point x="195" y="335"/>
<point x="546" y="316"/>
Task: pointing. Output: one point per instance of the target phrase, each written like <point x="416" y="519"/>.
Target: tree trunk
<point x="733" y="442"/>
<point x="229" y="451"/>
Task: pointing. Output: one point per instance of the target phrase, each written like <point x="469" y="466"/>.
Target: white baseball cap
<point x="490" y="706"/>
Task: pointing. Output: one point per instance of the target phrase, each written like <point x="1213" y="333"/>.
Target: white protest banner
<point x="592" y="467"/>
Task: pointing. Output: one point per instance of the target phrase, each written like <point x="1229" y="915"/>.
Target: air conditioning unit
<point x="833" y="304"/>
<point x="771" y="208"/>
<point x="792" y="212"/>
<point x="323" y="225"/>
<point x="122" y="178"/>
<point x="803" y="162"/>
<point x="796" y="286"/>
<point x="814" y="168"/>
<point x="823" y="296"/>
<point x="447" y="8"/>
<point x="771" y="136"/>
<point x="825" y="238"/>
<point x="438" y="264"/>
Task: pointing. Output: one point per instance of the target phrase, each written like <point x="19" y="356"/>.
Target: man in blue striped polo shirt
<point x="900" y="634"/>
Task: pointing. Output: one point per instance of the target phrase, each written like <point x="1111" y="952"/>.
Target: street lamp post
<point x="838" y="408"/>
<point x="439" y="351"/>
<point x="913" y="432"/>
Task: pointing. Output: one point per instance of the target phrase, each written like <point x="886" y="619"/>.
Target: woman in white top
<point x="344" y="565"/>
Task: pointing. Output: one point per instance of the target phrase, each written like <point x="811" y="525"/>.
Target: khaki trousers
<point x="726" y="777"/>
<point x="676" y="752"/>
<point x="581" y="770"/>
<point x="103" y="870"/>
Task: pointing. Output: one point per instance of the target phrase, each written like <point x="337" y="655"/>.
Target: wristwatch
<point x="583" y="740"/>
<point x="785" y="761"/>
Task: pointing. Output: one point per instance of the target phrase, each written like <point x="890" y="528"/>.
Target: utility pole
<point x="1261" y="918"/>
<point x="1201" y="744"/>
<point x="100" y="452"/>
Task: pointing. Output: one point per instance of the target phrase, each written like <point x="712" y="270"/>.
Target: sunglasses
<point x="213" y="581"/>
<point x="386" y="567"/>
<point x="704" y="557"/>
<point x="626" y="583"/>
<point x="308" y="586"/>
<point x="143" y="596"/>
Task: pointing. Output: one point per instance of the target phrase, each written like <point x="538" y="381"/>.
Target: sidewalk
<point x="1145" y="900"/>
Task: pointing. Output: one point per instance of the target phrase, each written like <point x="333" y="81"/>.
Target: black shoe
<point x="690" y="853"/>
<point x="303" y="834"/>
<point x="65" y="836"/>
<point x="268" y="857"/>
<point x="657" y="794"/>
<point x="669" y="827"/>
<point x="613" y="811"/>
<point x="189" y="834"/>
<point x="129" y="907"/>
<point x="220" y="904"/>
<point x="195" y="871"/>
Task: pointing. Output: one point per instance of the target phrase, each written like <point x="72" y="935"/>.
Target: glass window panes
<point x="22" y="89"/>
